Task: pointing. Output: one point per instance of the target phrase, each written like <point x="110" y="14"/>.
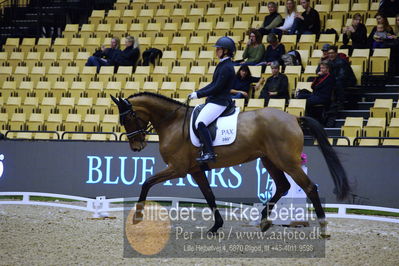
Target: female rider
<point x="218" y="93"/>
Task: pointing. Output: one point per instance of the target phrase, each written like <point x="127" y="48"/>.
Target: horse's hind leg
<point x="282" y="186"/>
<point x="206" y="190"/>
<point x="310" y="189"/>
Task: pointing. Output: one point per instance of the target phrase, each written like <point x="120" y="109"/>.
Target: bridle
<point x="144" y="126"/>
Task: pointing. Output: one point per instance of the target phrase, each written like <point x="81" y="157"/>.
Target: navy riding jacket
<point x="218" y="91"/>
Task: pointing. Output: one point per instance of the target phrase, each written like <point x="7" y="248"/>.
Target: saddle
<point x="212" y="126"/>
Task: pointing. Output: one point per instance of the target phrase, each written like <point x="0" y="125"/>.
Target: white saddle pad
<point x="226" y="130"/>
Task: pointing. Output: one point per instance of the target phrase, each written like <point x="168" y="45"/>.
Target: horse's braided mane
<point x="159" y="96"/>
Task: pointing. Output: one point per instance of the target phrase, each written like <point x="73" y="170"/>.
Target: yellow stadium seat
<point x="70" y="30"/>
<point x="169" y="29"/>
<point x="72" y="122"/>
<point x="360" y="57"/>
<point x="113" y="88"/>
<point x="5" y="73"/>
<point x="382" y="108"/>
<point x="77" y="89"/>
<point x="293" y="74"/>
<point x="204" y="28"/>
<point x="113" y="16"/>
<point x="187" y="58"/>
<point x="196" y="74"/>
<point x="87" y="31"/>
<point x="277" y="103"/>
<point x="352" y="128"/>
<point x="65" y="104"/>
<point x="47" y="105"/>
<point x="213" y="13"/>
<point x="393" y="128"/>
<point x="306" y="42"/>
<point x="123" y="74"/>
<point x="185" y="88"/>
<point x="11" y="44"/>
<point x="43" y="44"/>
<point x="25" y="88"/>
<point x="20" y="73"/>
<point x="205" y="57"/>
<point x="178" y="73"/>
<point x="59" y="45"/>
<point x="59" y="88"/>
<point x="141" y="74"/>
<point x="379" y="60"/>
<point x="3" y="121"/>
<point x="106" y="73"/>
<point x="71" y="73"/>
<point x="168" y="89"/>
<point x="334" y="24"/>
<point x="222" y="27"/>
<point x="16" y="58"/>
<point x="7" y="88"/>
<point x="178" y="43"/>
<point x="375" y="127"/>
<point x="160" y="73"/>
<point x="37" y="73"/>
<point x="101" y="106"/>
<point x="94" y="89"/>
<point x="42" y="89"/>
<point x="65" y="59"/>
<point x="103" y="30"/>
<point x="76" y="44"/>
<point x="17" y="121"/>
<point x="339" y="11"/>
<point x="160" y="42"/>
<point x="130" y="88"/>
<point x="150" y="86"/>
<point x="109" y="123"/>
<point x="32" y="59"/>
<point x="27" y="44"/>
<point x="96" y="16"/>
<point x="247" y="12"/>
<point x="289" y="42"/>
<point x="53" y="122"/>
<point x="88" y="73"/>
<point x="358" y="70"/>
<point x="84" y="105"/>
<point x="35" y="122"/>
<point x="12" y="103"/>
<point x="81" y="59"/>
<point x="54" y="74"/>
<point x="296" y="107"/>
<point x="254" y="104"/>
<point x="48" y="59"/>
<point x="90" y="123"/>
<point x="196" y="13"/>
<point x="304" y="57"/>
<point x="325" y="39"/>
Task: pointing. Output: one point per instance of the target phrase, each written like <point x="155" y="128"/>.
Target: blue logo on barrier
<point x="1" y="165"/>
<point x="265" y="183"/>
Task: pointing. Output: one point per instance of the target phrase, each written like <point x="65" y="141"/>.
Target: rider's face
<point x="219" y="52"/>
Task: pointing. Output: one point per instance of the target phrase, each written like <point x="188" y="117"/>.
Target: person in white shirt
<point x="290" y="11"/>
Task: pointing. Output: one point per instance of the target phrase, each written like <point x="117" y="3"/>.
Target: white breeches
<point x="209" y="113"/>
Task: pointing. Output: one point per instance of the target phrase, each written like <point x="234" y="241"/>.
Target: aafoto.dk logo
<point x="1" y="164"/>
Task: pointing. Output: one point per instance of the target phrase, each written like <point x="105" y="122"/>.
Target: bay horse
<point x="274" y="136"/>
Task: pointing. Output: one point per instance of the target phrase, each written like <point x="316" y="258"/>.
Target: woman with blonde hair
<point x="130" y="55"/>
<point x="290" y="11"/>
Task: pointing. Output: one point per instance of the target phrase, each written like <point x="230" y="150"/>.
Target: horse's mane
<point x="159" y="96"/>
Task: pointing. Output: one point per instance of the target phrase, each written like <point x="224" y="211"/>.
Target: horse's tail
<point x="334" y="165"/>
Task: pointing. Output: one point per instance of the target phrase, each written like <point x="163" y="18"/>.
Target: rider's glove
<point x="193" y="96"/>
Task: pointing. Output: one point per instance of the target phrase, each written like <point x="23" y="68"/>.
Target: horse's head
<point x="135" y="125"/>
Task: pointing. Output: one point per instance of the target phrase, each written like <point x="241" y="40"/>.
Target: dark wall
<point x="93" y="169"/>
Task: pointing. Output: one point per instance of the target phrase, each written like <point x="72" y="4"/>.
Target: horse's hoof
<point x="265" y="224"/>
<point x="138" y="217"/>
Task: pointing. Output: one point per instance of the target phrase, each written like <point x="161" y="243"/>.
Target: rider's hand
<point x="193" y="95"/>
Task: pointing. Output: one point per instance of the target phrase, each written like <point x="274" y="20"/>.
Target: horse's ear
<point x="115" y="100"/>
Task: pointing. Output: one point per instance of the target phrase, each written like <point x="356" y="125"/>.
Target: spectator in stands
<point x="273" y="20"/>
<point x="274" y="50"/>
<point x="393" y="43"/>
<point x="276" y="86"/>
<point x="242" y="83"/>
<point x="341" y="71"/>
<point x="322" y="87"/>
<point x="381" y="19"/>
<point x="105" y="56"/>
<point x="325" y="49"/>
<point x="290" y="12"/>
<point x="130" y="55"/>
<point x="389" y="7"/>
<point x="380" y="36"/>
<point x="255" y="50"/>
<point x="308" y="22"/>
<point x="356" y="32"/>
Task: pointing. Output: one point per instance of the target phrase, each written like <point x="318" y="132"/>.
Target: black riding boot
<point x="207" y="154"/>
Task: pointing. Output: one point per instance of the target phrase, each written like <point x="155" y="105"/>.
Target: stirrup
<point x="207" y="157"/>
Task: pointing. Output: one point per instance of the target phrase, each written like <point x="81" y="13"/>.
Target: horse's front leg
<point x="206" y="190"/>
<point x="164" y="175"/>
